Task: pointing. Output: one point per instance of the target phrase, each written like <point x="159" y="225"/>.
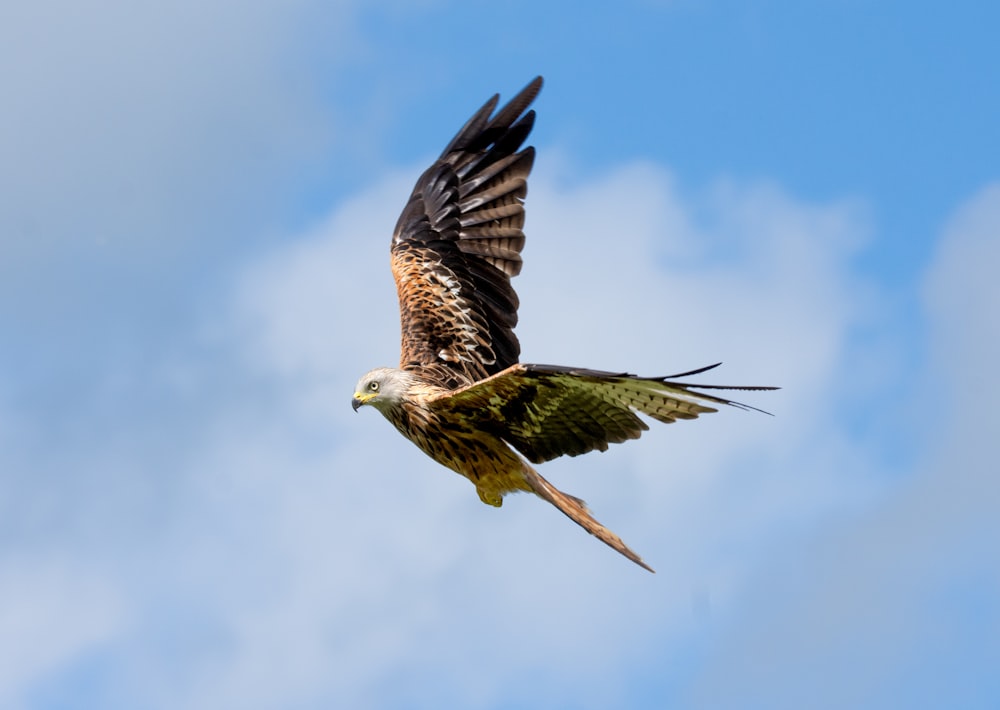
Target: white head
<point x="383" y="388"/>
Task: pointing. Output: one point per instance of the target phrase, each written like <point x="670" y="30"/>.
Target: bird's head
<point x="382" y="388"/>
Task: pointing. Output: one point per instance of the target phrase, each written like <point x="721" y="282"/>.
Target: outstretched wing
<point x="457" y="244"/>
<point x="546" y="411"/>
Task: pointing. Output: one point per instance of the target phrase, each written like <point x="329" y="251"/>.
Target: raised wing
<point x="546" y="411"/>
<point x="457" y="244"/>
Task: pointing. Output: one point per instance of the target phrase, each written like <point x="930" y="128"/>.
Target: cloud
<point x="897" y="606"/>
<point x="495" y="594"/>
<point x="143" y="145"/>
<point x="192" y="517"/>
<point x="258" y="544"/>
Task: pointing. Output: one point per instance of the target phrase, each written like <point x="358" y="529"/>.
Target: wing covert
<point x="547" y="411"/>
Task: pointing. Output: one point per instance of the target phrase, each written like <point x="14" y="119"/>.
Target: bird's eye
<point x="373" y="386"/>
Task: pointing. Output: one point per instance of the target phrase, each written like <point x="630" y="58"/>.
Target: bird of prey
<point x="459" y="392"/>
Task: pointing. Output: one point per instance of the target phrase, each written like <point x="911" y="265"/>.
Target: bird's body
<point x="460" y="393"/>
<point x="457" y="442"/>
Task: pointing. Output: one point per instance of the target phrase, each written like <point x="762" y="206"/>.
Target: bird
<point x="460" y="393"/>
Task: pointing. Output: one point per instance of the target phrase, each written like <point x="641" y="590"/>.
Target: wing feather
<point x="457" y="244"/>
<point x="546" y="411"/>
<point x="490" y="214"/>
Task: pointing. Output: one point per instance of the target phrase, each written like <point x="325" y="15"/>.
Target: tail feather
<point x="576" y="510"/>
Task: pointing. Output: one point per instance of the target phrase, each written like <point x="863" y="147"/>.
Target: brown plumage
<point x="460" y="393"/>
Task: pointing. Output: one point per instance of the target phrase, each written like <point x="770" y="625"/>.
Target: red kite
<point x="460" y="393"/>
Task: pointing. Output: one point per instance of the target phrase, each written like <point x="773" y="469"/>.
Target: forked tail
<point x="576" y="510"/>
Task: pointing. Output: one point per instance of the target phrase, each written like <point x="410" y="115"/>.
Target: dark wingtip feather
<point x="692" y="372"/>
<point x="480" y="122"/>
<point x="722" y="400"/>
<point x="516" y="105"/>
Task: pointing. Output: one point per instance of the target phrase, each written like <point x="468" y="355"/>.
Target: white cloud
<point x="961" y="296"/>
<point x="273" y="548"/>
<point x="147" y="149"/>
<point x="196" y="518"/>
<point x="327" y="302"/>
<point x="898" y="606"/>
<point x="703" y="501"/>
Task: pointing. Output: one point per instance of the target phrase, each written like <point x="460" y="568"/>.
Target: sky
<point x="196" y="200"/>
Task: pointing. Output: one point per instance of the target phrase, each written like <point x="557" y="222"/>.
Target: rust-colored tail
<point x="576" y="510"/>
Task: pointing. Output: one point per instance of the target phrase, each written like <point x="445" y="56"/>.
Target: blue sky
<point x="197" y="201"/>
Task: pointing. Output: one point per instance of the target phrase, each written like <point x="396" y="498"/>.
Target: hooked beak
<point x="357" y="400"/>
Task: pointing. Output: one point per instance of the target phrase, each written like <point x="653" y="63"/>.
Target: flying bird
<point x="459" y="392"/>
